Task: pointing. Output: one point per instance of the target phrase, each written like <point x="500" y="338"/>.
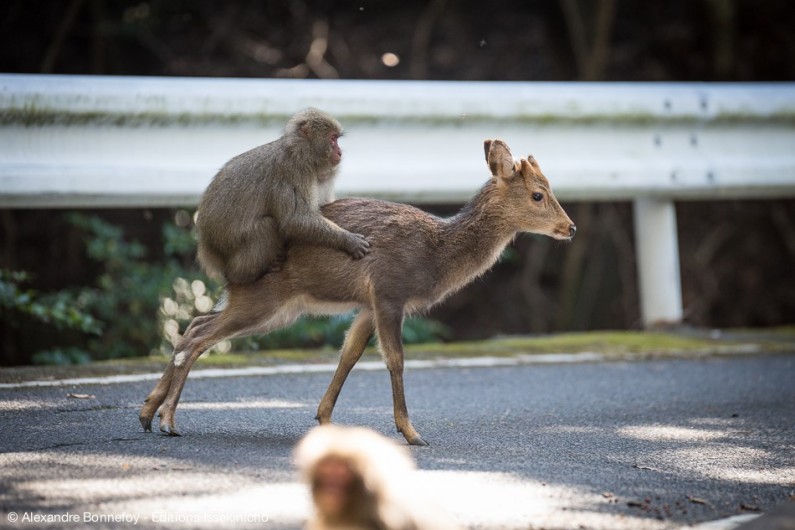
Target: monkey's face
<point x="336" y="152"/>
<point x="333" y="486"/>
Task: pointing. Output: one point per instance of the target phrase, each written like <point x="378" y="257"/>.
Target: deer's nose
<point x="572" y="230"/>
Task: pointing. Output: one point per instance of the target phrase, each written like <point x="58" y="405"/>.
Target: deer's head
<point x="527" y="198"/>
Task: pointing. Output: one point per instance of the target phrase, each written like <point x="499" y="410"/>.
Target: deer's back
<point x="389" y="226"/>
<point x="402" y="262"/>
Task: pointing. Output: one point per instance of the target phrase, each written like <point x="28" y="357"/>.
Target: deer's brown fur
<point x="416" y="261"/>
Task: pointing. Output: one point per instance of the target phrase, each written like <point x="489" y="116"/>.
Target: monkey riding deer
<point x="270" y="195"/>
<point x="416" y="260"/>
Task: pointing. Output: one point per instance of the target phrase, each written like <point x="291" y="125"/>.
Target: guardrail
<point x="83" y="141"/>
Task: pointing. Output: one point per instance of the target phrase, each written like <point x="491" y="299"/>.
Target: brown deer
<point x="416" y="261"/>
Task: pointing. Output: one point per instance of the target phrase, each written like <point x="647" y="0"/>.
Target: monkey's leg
<point x="261" y="248"/>
<point x="355" y="342"/>
<point x="158" y="394"/>
<point x="389" y="324"/>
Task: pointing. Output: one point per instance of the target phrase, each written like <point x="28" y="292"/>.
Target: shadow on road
<point x="615" y="445"/>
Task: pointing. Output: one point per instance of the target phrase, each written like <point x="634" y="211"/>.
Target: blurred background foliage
<point x="117" y="283"/>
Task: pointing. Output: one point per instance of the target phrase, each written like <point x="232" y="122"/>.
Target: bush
<point x="58" y="310"/>
<point x="19" y="306"/>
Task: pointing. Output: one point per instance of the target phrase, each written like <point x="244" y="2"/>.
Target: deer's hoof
<point x="418" y="441"/>
<point x="169" y="430"/>
<point x="146" y="423"/>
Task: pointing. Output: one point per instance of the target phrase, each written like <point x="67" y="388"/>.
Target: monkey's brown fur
<point x="417" y="260"/>
<point x="271" y="195"/>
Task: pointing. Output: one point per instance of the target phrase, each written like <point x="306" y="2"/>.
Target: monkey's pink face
<point x="332" y="486"/>
<point x="336" y="152"/>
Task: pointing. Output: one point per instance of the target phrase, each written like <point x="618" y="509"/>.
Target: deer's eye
<point x="537" y="197"/>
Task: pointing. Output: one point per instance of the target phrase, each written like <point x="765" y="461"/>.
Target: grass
<point x="605" y="342"/>
<point x="612" y="344"/>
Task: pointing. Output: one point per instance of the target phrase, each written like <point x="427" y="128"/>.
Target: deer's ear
<point x="499" y="158"/>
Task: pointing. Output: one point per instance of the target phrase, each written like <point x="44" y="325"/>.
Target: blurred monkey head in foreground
<point x="361" y="480"/>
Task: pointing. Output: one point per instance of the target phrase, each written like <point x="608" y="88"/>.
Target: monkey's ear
<point x="500" y="159"/>
<point x="486" y="146"/>
<point x="304" y="128"/>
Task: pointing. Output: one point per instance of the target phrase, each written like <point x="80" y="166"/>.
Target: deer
<point x="416" y="261"/>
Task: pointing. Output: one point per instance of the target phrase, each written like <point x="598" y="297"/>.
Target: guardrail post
<point x="657" y="251"/>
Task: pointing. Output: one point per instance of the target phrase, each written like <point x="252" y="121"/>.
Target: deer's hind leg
<point x="158" y="394"/>
<point x="262" y="314"/>
<point x="355" y="342"/>
<point x="182" y="361"/>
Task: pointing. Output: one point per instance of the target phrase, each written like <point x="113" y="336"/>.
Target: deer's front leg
<point x="355" y="342"/>
<point x="389" y="324"/>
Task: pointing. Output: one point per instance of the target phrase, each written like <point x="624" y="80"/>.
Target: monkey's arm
<point x="303" y="222"/>
<point x="314" y="228"/>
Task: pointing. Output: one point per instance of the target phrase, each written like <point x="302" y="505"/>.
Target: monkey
<point x="263" y="198"/>
<point x="361" y="480"/>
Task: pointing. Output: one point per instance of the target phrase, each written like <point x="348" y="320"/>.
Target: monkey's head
<point x="354" y="475"/>
<point x="320" y="132"/>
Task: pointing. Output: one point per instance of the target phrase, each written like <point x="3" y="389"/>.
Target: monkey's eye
<point x="538" y="197"/>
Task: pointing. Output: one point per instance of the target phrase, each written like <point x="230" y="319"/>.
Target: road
<point x="640" y="445"/>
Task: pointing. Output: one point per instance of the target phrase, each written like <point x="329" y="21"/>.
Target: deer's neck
<point x="474" y="239"/>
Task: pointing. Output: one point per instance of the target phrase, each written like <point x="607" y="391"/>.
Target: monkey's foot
<point x="418" y="441"/>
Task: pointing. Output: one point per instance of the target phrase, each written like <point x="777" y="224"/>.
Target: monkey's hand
<point x="358" y="246"/>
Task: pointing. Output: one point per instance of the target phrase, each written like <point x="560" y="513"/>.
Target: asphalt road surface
<point x="640" y="445"/>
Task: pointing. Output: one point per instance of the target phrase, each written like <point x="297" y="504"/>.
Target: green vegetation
<point x="604" y="342"/>
<point x="59" y="311"/>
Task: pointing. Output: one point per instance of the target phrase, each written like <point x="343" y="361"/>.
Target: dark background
<point x="738" y="257"/>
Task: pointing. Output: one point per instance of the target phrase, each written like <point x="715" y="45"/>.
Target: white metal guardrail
<point x="83" y="141"/>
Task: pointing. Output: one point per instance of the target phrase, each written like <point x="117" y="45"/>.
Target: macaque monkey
<point x="361" y="480"/>
<point x="266" y="197"/>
